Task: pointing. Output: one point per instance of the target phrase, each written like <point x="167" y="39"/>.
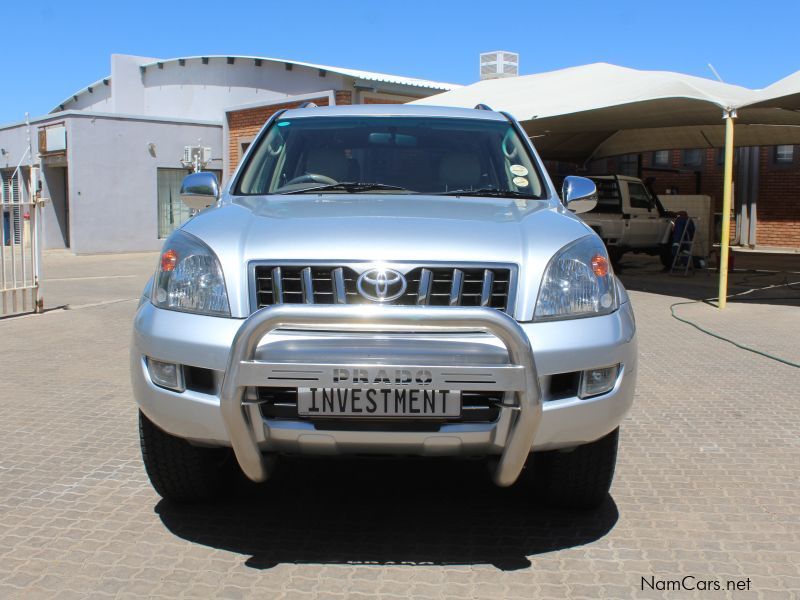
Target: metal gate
<point x="20" y="228"/>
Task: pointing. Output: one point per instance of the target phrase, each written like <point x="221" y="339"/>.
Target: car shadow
<point x="385" y="511"/>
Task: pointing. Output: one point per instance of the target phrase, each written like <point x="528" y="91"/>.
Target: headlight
<point x="578" y="282"/>
<point x="189" y="278"/>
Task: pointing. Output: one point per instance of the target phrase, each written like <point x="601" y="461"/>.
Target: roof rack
<point x="307" y="105"/>
<point x="483" y="107"/>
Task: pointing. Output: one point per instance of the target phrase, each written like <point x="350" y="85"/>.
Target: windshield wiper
<point x="489" y="193"/>
<point x="351" y="187"/>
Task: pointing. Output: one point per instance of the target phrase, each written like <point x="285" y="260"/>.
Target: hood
<point x="332" y="228"/>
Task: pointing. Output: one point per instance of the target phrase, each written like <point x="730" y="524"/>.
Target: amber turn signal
<point x="600" y="265"/>
<point x="169" y="259"/>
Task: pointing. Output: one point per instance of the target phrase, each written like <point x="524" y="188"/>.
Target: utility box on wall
<point x="53" y="138"/>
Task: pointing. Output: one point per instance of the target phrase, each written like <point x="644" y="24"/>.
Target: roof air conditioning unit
<point x="500" y="63"/>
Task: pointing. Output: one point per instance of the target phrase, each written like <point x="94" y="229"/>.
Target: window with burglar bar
<point x="783" y="154"/>
<point x="661" y="158"/>
<point x="11" y="217"/>
<point x="693" y="157"/>
<point x="628" y="164"/>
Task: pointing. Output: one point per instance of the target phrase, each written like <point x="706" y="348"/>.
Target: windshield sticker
<point x="520" y="182"/>
<point x="285" y="123"/>
<point x="518" y="170"/>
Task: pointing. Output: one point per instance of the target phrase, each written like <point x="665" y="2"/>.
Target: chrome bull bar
<point x="518" y="376"/>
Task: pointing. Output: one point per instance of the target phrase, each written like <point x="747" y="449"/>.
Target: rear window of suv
<point x="608" y="196"/>
<point x="416" y="154"/>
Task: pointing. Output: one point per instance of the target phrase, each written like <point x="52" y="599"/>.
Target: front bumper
<point x="484" y="340"/>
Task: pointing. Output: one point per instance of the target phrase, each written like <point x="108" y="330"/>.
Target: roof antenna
<point x="714" y="71"/>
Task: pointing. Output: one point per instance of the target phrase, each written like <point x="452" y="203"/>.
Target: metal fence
<point x="20" y="227"/>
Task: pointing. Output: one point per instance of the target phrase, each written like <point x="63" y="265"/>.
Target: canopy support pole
<point x="729" y="115"/>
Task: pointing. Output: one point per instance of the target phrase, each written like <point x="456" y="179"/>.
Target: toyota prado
<point x="385" y="280"/>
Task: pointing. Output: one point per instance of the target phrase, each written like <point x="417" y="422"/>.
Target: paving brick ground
<point x="707" y="483"/>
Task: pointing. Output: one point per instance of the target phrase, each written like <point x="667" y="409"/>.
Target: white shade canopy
<point x="599" y="110"/>
<point x="784" y="93"/>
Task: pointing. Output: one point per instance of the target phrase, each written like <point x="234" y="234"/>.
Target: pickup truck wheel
<point x="665" y="254"/>
<point x="580" y="478"/>
<point x="180" y="472"/>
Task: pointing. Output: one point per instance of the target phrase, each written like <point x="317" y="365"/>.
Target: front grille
<point x="427" y="286"/>
<point x="281" y="403"/>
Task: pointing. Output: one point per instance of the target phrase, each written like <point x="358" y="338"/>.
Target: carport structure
<point x="599" y="110"/>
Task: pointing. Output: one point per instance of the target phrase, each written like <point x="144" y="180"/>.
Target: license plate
<point x="378" y="402"/>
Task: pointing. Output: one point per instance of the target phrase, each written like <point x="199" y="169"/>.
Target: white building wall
<point x="127" y="91"/>
<point x="113" y="178"/>
<point x="14" y="143"/>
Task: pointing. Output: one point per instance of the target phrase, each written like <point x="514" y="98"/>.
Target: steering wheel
<point x="312" y="178"/>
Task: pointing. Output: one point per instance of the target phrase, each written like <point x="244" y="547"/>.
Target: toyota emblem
<point x="381" y="285"/>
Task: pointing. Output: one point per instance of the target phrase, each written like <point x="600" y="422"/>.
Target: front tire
<point x="180" y="472"/>
<point x="579" y="478"/>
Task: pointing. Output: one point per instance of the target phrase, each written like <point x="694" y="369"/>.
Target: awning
<point x="600" y="110"/>
<point x="783" y="94"/>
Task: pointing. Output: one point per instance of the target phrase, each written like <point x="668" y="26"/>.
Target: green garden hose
<point x="730" y="341"/>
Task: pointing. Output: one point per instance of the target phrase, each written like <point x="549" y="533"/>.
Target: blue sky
<point x="51" y="49"/>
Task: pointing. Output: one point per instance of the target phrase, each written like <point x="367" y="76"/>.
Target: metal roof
<point x="61" y="106"/>
<point x="355" y="73"/>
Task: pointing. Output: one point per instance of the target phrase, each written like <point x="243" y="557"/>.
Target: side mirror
<point x="579" y="194"/>
<point x="200" y="190"/>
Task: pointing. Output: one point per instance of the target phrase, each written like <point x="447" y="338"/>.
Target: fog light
<point x="598" y="381"/>
<point x="164" y="374"/>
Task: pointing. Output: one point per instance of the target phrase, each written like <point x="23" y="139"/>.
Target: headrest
<point x="459" y="170"/>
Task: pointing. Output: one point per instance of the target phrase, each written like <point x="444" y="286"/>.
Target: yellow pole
<point x="729" y="116"/>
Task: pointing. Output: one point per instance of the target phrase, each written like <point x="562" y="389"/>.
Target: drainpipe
<point x="746" y="200"/>
<point x="742" y="197"/>
<point x="755" y="173"/>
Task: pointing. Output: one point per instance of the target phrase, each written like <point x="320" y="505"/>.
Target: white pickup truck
<point x="629" y="218"/>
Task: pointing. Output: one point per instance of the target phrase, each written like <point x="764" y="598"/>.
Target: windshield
<point x="391" y="155"/>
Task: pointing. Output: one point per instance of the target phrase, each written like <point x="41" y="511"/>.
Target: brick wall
<point x="703" y="179"/>
<point x="343" y="97"/>
<point x="778" y="212"/>
<point x="778" y="217"/>
<point x="245" y="124"/>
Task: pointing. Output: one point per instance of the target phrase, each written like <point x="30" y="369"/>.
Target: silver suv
<point x="398" y="280"/>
